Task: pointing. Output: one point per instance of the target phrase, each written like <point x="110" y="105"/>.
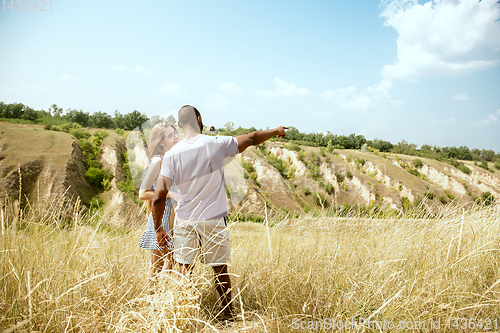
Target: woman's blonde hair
<point x="156" y="137"/>
<point x="154" y="148"/>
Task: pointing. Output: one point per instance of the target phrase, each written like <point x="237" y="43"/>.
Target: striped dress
<point x="148" y="240"/>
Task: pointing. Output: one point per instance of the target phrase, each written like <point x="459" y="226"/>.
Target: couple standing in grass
<point x="196" y="166"/>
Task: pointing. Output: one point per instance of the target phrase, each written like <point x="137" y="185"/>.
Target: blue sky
<point x="426" y="72"/>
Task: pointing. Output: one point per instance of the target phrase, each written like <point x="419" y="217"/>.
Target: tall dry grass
<point x="88" y="278"/>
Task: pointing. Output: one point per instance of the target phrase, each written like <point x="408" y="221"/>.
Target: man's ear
<point x="200" y="123"/>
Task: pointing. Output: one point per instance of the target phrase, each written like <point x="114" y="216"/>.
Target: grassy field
<point x="294" y="277"/>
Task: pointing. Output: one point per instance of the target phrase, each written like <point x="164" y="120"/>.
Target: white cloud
<point x="171" y="89"/>
<point x="138" y="69"/>
<point x="352" y="99"/>
<point x="348" y="98"/>
<point x="264" y="93"/>
<point x="289" y="90"/>
<point x="230" y="88"/>
<point x="461" y="97"/>
<point x="491" y="118"/>
<point x="448" y="121"/>
<point x="118" y="68"/>
<point x="441" y="37"/>
<point x="382" y="88"/>
<point x="141" y="70"/>
<point x="395" y="102"/>
<point x="192" y="72"/>
<point x="283" y="89"/>
<point x="67" y="77"/>
<point x="217" y="100"/>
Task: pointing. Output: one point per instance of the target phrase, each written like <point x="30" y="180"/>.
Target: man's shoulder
<point x="219" y="138"/>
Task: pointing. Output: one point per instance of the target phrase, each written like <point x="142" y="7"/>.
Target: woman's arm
<point x="148" y="195"/>
<point x="152" y="173"/>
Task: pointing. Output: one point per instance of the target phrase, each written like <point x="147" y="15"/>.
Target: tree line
<point x="56" y="116"/>
<point x="352" y="141"/>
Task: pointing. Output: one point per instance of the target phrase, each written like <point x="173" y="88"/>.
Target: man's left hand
<point x="281" y="131"/>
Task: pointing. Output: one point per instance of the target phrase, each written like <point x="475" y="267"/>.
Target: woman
<point x="163" y="137"/>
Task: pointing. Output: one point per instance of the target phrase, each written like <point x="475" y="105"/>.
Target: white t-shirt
<point x="197" y="167"/>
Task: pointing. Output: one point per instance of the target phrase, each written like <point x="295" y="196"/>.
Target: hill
<point x="280" y="178"/>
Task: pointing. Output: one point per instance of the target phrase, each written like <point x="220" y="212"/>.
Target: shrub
<point x="96" y="203"/>
<point x="360" y="161"/>
<point x="484" y="165"/>
<point x="248" y="166"/>
<point x="293" y="146"/>
<point x="80" y="134"/>
<point x="314" y="172"/>
<point x="100" y="135"/>
<point x="430" y="195"/>
<point x="66" y="127"/>
<point x="400" y="187"/>
<point x="406" y="204"/>
<point x="442" y="199"/>
<point x="285" y="168"/>
<point x="47" y="126"/>
<point x="497" y="164"/>
<point x="301" y="155"/>
<point x="319" y="198"/>
<point x="487" y="198"/>
<point x="413" y="172"/>
<point x="322" y="151"/>
<point x="417" y="163"/>
<point x="55" y="128"/>
<point x="253" y="175"/>
<point x="97" y="177"/>
<point x="306" y="191"/>
<point x="339" y="176"/>
<point x="119" y="131"/>
<point x="349" y="174"/>
<point x="465" y="169"/>
<point x="327" y="160"/>
<point x="449" y="194"/>
<point x="329" y="188"/>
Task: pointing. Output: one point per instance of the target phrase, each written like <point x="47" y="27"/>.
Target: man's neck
<point x="190" y="133"/>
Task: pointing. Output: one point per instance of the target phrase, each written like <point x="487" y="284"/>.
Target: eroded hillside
<point x="50" y="166"/>
<point x="314" y="178"/>
<point x="276" y="179"/>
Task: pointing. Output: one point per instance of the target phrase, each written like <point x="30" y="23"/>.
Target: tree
<point x="488" y="155"/>
<point x="464" y="153"/>
<point x="78" y="116"/>
<point x="171" y="119"/>
<point x="29" y="114"/>
<point x="119" y="120"/>
<point x="359" y="141"/>
<point x="101" y="120"/>
<point x="229" y="126"/>
<point x="293" y="134"/>
<point x="55" y="111"/>
<point x="134" y="119"/>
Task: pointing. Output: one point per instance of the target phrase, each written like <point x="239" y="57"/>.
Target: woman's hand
<point x="174" y="196"/>
<point x="162" y="238"/>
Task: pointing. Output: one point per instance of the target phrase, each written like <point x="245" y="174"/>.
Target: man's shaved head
<point x="188" y="117"/>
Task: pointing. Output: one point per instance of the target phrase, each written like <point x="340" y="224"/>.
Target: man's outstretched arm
<point x="258" y="137"/>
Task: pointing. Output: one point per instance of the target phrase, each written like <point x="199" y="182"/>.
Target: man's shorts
<point x="206" y="240"/>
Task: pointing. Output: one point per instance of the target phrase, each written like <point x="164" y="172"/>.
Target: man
<point x="197" y="166"/>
